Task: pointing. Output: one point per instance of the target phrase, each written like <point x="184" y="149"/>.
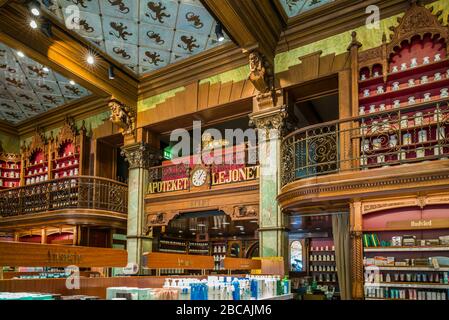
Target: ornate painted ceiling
<point x="28" y="88"/>
<point x="297" y="7"/>
<point x="143" y="35"/>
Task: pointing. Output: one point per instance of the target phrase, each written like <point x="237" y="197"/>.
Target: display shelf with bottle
<point x="36" y="170"/>
<point x="322" y="265"/>
<point x="403" y="100"/>
<point x="219" y="250"/>
<point x="168" y="245"/>
<point x="406" y="252"/>
<point x="67" y="151"/>
<point x="199" y="248"/>
<point x="10" y="166"/>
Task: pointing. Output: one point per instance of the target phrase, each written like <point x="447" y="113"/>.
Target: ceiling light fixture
<point x="111" y="73"/>
<point x="219" y="32"/>
<point x="33" y="24"/>
<point x="72" y="83"/>
<point x="35" y="7"/>
<point x="46" y="69"/>
<point x="20" y="54"/>
<point x="90" y="59"/>
<point x="226" y="223"/>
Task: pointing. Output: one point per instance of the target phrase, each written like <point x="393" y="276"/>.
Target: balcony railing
<point x="393" y="137"/>
<point x="69" y="193"/>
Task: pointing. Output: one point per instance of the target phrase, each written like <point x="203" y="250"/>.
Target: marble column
<point x="273" y="234"/>
<point x="140" y="157"/>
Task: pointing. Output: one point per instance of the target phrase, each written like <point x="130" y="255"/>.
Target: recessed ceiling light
<point x="20" y="54"/>
<point x="33" y="24"/>
<point x="193" y="233"/>
<point x="318" y="229"/>
<point x="201" y="225"/>
<point x="254" y="221"/>
<point x="192" y="229"/>
<point x="180" y="231"/>
<point x="214" y="228"/>
<point x="90" y="59"/>
<point x="35" y="7"/>
<point x="72" y="83"/>
<point x="226" y="223"/>
<point x="220" y="233"/>
<point x="46" y="69"/>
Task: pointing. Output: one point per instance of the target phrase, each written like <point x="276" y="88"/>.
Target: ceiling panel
<point x="143" y="35"/>
<point x="297" y="7"/>
<point x="28" y="88"/>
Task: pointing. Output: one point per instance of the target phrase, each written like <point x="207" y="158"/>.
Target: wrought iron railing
<point x="81" y="192"/>
<point x="393" y="137"/>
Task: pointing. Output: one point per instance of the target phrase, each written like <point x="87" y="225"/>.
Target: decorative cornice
<point x="350" y="189"/>
<point x="141" y="155"/>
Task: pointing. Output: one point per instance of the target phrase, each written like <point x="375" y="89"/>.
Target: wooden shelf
<point x="406" y="91"/>
<point x="382" y="268"/>
<point x="405" y="249"/>
<point x="417" y="285"/>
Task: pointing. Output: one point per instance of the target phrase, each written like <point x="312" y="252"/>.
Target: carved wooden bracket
<point x="262" y="74"/>
<point x="123" y="116"/>
<point x="245" y="212"/>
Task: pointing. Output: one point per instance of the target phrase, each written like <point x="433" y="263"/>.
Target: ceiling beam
<point x="64" y="54"/>
<point x="252" y="24"/>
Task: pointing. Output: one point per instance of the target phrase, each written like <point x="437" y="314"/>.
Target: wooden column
<point x="344" y="135"/>
<point x="357" y="277"/>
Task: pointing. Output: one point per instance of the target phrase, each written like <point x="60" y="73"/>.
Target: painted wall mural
<point x="28" y="88"/>
<point x="143" y="35"/>
<point x="297" y="7"/>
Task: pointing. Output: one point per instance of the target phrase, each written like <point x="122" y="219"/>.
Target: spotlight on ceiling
<point x="72" y="83"/>
<point x="20" y="54"/>
<point x="46" y="69"/>
<point x="35" y="7"/>
<point x="219" y="32"/>
<point x="46" y="28"/>
<point x="90" y="59"/>
<point x="111" y="73"/>
<point x="33" y="24"/>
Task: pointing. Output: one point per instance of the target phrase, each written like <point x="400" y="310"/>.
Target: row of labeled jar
<point x="68" y="164"/>
<point x="9" y="174"/>
<point x="9" y="165"/>
<point x="9" y="184"/>
<point x="404" y="66"/>
<point x="37" y="179"/>
<point x="427" y="97"/>
<point x="397" y="86"/>
<point x="417" y="120"/>
<point x="402" y="155"/>
<point x="316" y="268"/>
<point x="407" y="139"/>
<point x="319" y="257"/>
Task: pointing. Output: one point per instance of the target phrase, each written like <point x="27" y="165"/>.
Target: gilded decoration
<point x="123" y="116"/>
<point x="261" y="72"/>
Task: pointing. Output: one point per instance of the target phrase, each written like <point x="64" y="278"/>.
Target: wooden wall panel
<point x="326" y="64"/>
<point x="310" y="65"/>
<point x="225" y="92"/>
<point x="237" y="90"/>
<point x="158" y="260"/>
<point x="214" y="94"/>
<point x="203" y="96"/>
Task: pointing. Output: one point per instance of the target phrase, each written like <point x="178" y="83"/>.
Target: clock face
<point x="199" y="177"/>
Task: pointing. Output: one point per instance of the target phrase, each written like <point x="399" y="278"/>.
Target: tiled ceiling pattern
<point x="297" y="7"/>
<point x="143" y="35"/>
<point x="28" y="88"/>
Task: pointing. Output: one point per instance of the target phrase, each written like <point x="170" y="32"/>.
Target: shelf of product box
<point x="381" y="268"/>
<point x="405" y="249"/>
<point x="408" y="285"/>
<point x="386" y="299"/>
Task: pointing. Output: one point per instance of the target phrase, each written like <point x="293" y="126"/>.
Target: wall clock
<point x="199" y="177"/>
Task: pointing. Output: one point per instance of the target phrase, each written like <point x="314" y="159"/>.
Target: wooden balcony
<point x="72" y="200"/>
<point x="398" y="150"/>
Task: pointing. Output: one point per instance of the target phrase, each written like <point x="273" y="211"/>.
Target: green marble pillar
<point x="273" y="234"/>
<point x="140" y="157"/>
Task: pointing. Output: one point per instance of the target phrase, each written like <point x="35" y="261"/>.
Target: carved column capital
<point x="141" y="155"/>
<point x="280" y="121"/>
<point x="354" y="42"/>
